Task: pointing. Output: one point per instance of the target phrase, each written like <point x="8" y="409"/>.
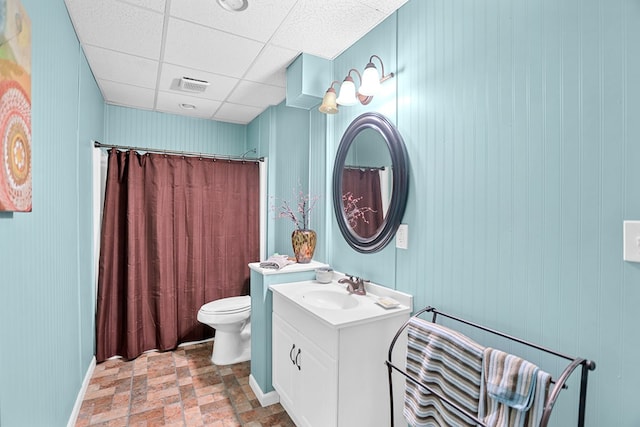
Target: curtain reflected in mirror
<point x="366" y="183"/>
<point x="365" y="204"/>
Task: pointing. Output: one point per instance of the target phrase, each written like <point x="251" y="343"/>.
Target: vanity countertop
<point x="332" y="304"/>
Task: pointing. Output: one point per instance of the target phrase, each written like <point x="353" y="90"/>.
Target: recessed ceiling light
<point x="187" y="106"/>
<point x="234" y="5"/>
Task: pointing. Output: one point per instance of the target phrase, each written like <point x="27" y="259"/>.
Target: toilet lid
<point x="228" y="305"/>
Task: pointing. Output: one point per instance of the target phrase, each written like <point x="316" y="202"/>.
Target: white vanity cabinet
<point x="304" y="376"/>
<point x="331" y="375"/>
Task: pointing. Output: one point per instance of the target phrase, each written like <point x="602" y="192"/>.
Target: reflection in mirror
<point x="366" y="183"/>
<point x="370" y="182"/>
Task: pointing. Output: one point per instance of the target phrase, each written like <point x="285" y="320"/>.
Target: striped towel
<point x="516" y="390"/>
<point x="450" y="364"/>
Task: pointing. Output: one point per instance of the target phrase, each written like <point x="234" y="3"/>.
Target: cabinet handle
<point x="298" y="355"/>
<point x="291" y="354"/>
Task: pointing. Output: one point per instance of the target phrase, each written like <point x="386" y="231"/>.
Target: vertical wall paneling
<point x="282" y="135"/>
<point x="518" y="119"/>
<point x="291" y="166"/>
<point x="317" y="181"/>
<point x="381" y="41"/>
<point x="519" y="123"/>
<point x="139" y="128"/>
<point x="255" y="141"/>
<point x="90" y="127"/>
<point x="629" y="297"/>
<point x="266" y="127"/>
<point x="44" y="297"/>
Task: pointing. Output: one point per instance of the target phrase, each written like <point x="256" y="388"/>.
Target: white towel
<point x="276" y="262"/>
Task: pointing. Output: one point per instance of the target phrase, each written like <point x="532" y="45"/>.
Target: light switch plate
<point x="402" y="237"/>
<point x="631" y="241"/>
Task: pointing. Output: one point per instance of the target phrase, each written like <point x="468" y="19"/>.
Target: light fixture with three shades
<point x="370" y="82"/>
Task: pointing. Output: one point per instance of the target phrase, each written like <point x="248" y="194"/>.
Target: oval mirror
<point x="370" y="182"/>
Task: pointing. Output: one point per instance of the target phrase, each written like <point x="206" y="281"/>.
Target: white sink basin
<point x="332" y="303"/>
<point x="330" y="299"/>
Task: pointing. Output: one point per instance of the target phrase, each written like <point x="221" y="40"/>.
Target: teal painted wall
<point x="46" y="290"/>
<point x="519" y="122"/>
<point x="149" y="129"/>
<point x="90" y="127"/>
<point x="320" y="182"/>
<point x="289" y="159"/>
<point x="261" y="133"/>
<point x="281" y="134"/>
<point x="379" y="267"/>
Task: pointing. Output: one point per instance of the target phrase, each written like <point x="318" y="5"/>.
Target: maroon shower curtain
<point x="364" y="184"/>
<point x="177" y="232"/>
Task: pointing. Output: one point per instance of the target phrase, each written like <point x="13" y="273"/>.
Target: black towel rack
<point x="559" y="384"/>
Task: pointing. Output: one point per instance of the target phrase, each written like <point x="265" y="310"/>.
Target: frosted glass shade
<point x="347" y="93"/>
<point x="234" y="5"/>
<point x="329" y="105"/>
<point x="370" y="81"/>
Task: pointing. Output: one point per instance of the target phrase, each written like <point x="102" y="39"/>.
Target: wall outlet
<point x="631" y="241"/>
<point x="402" y="237"/>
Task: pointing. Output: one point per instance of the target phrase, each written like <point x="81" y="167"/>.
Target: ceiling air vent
<point x="189" y="84"/>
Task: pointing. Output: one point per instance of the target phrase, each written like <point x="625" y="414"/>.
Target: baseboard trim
<point x="265" y="399"/>
<point x="83" y="390"/>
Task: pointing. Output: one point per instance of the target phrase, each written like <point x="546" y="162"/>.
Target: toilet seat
<point x="230" y="305"/>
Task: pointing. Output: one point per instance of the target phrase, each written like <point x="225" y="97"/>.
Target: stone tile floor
<point x="177" y="388"/>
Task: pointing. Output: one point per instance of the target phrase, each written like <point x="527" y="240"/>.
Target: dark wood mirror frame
<point x="400" y="188"/>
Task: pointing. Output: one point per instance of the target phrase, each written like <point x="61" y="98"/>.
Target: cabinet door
<point x="284" y="352"/>
<point x="316" y="391"/>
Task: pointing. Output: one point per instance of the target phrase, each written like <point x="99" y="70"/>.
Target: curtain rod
<point x="242" y="158"/>
<point x="373" y="168"/>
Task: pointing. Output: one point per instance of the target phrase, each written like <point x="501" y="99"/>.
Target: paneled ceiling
<point x="139" y="50"/>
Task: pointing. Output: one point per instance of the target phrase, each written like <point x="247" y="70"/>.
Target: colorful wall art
<point x="15" y="107"/>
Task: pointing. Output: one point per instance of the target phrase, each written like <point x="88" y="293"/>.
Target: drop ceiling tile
<point x="118" y="26"/>
<point x="157" y="5"/>
<point x="121" y="67"/>
<point x="385" y="6"/>
<point x="326" y="28"/>
<point x="127" y="95"/>
<point x="194" y="46"/>
<point x="170" y="103"/>
<point x="258" y="22"/>
<point x="220" y="86"/>
<point x="234" y="113"/>
<point x="271" y="66"/>
<point x="256" y="94"/>
<point x="125" y="42"/>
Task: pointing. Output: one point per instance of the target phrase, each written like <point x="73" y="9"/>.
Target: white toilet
<point x="231" y="318"/>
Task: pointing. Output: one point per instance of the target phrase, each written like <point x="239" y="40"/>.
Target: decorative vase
<point x="304" y="244"/>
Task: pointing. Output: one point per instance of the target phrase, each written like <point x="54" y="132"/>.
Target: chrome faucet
<point x="355" y="285"/>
